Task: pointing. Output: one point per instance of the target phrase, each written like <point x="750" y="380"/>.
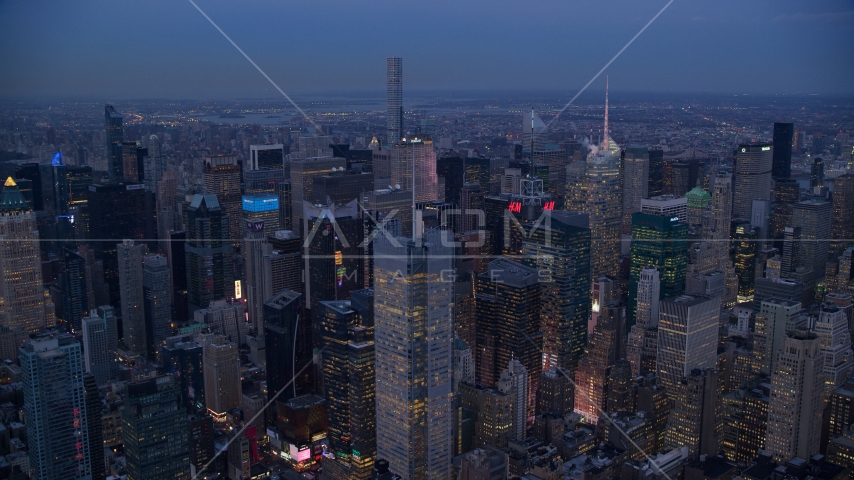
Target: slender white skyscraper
<point x="413" y="304"/>
<point x="394" y="96"/>
<point x="832" y="329"/>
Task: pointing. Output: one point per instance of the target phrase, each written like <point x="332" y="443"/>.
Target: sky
<point x="165" y="49"/>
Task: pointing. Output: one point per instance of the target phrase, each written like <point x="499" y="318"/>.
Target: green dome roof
<point x="698" y="198"/>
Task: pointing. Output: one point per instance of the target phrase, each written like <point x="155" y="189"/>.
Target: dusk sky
<point x="116" y="49"/>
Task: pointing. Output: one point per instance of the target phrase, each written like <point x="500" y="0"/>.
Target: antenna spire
<point x="605" y="142"/>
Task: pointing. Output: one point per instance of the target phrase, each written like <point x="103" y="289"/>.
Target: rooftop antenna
<point x="605" y="143"/>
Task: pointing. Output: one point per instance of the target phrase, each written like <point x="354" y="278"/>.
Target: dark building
<point x="79" y="179"/>
<point x="452" y="169"/>
<point x="656" y="173"/>
<point x="183" y="358"/>
<point x="115" y="135"/>
<point x="30" y="171"/>
<point x="334" y="259"/>
<point x="340" y="188"/>
<point x="116" y="212"/>
<point x="356" y="159"/>
<point x="288" y="348"/>
<point x="287" y="247"/>
<point x="781" y="166"/>
<point x="817" y="173"/>
<point x="200" y="432"/>
<point x="660" y="242"/>
<point x="154" y="431"/>
<point x="507" y="296"/>
<point x="562" y="256"/>
<point x="683" y="176"/>
<point x="745" y="257"/>
<point x="479" y="170"/>
<point x="786" y="194"/>
<point x="210" y="272"/>
<point x="74" y="304"/>
<point x="94" y="434"/>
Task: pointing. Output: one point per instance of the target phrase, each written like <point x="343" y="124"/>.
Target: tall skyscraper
<point x="562" y="256"/>
<point x="508" y="323"/>
<point x="55" y="408"/>
<point x="255" y="248"/>
<point x="797" y="399"/>
<point x="115" y="135"/>
<point x="32" y="172"/>
<point x="130" y="263"/>
<point x="222" y="179"/>
<point x="813" y="218"/>
<point x="183" y="357"/>
<point x="73" y="289"/>
<point x="116" y="213"/>
<point x="721" y="218"/>
<point x="656" y="172"/>
<point x="659" y="242"/>
<point x="635" y="182"/>
<point x="287" y="334"/>
<point x="414" y="354"/>
<point x="842" y="229"/>
<point x="157" y="303"/>
<point x="752" y="179"/>
<point x="602" y="351"/>
<point x="782" y="158"/>
<point x="595" y="188"/>
<point x="21" y="287"/>
<point x="687" y="337"/>
<point x="642" y="344"/>
<point x="154" y="431"/>
<point x="100" y="341"/>
<point x="349" y="382"/>
<point x="222" y="376"/>
<point x="394" y="98"/>
<point x="154" y="165"/>
<point x="210" y="274"/>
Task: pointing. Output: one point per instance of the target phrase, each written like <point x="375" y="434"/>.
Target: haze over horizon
<point x="167" y="50"/>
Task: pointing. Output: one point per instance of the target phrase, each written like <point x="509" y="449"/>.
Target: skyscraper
<point x="222" y="179"/>
<point x="752" y="179"/>
<point x="813" y="218"/>
<point x="154" y="431"/>
<point x="782" y="158"/>
<point x="694" y="420"/>
<point x="687" y="337"/>
<point x="115" y="135"/>
<point x="635" y="182"/>
<point x="303" y="173"/>
<point x="55" y="408"/>
<point x="508" y="323"/>
<point x="255" y="248"/>
<point x="656" y="172"/>
<point x="797" y="392"/>
<point x="349" y="382"/>
<point x="100" y="341"/>
<point x="73" y="289"/>
<point x="394" y="97"/>
<point x="842" y="229"/>
<point x="287" y="334"/>
<point x="222" y="376"/>
<point x="642" y="344"/>
<point x="659" y="242"/>
<point x="419" y="150"/>
<point x="775" y="319"/>
<point x="602" y="351"/>
<point x="210" y="274"/>
<point x="562" y="253"/>
<point x="154" y="165"/>
<point x="157" y="303"/>
<point x="21" y="288"/>
<point x="832" y="329"/>
<point x="130" y="263"/>
<point x="116" y="213"/>
<point x="414" y="340"/>
<point x="594" y="187"/>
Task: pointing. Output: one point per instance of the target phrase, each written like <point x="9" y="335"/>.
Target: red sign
<point x="515" y="207"/>
<point x="549" y="205"/>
